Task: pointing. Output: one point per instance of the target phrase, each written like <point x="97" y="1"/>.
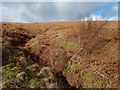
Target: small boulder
<point x="22" y="62"/>
<point x="21" y="76"/>
<point x="9" y="84"/>
<point x="47" y="78"/>
<point x="45" y="73"/>
<point x="34" y="83"/>
<point x="50" y="82"/>
<point x="33" y="67"/>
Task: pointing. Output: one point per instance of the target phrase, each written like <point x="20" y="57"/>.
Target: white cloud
<point x="0" y="12"/>
<point x="97" y="17"/>
<point x="113" y="18"/>
<point x="49" y="11"/>
<point x="13" y="14"/>
<point x="57" y="0"/>
<point x="93" y="17"/>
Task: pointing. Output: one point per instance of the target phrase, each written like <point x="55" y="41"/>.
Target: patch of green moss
<point x="10" y="73"/>
<point x="99" y="82"/>
<point x="91" y="80"/>
<point x="70" y="45"/>
<point x="87" y="80"/>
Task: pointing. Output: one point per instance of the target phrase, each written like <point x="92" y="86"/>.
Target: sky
<point x="57" y="10"/>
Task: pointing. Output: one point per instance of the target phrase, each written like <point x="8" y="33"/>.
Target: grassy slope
<point x="55" y="43"/>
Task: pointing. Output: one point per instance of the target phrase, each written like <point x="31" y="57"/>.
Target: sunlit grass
<point x="70" y="46"/>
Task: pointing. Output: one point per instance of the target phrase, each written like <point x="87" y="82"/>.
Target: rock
<point x="33" y="67"/>
<point x="52" y="86"/>
<point x="34" y="83"/>
<point x="21" y="76"/>
<point x="47" y="78"/>
<point x="50" y="82"/>
<point x="9" y="84"/>
<point x="45" y="73"/>
<point x="22" y="62"/>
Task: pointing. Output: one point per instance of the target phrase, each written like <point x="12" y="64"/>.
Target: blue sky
<point x="58" y="11"/>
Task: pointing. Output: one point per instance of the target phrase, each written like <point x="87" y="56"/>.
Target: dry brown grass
<point x="55" y="43"/>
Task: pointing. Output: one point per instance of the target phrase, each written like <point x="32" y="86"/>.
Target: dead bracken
<point x="81" y="54"/>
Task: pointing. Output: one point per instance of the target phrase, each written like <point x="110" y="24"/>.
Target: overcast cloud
<point x="53" y="11"/>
